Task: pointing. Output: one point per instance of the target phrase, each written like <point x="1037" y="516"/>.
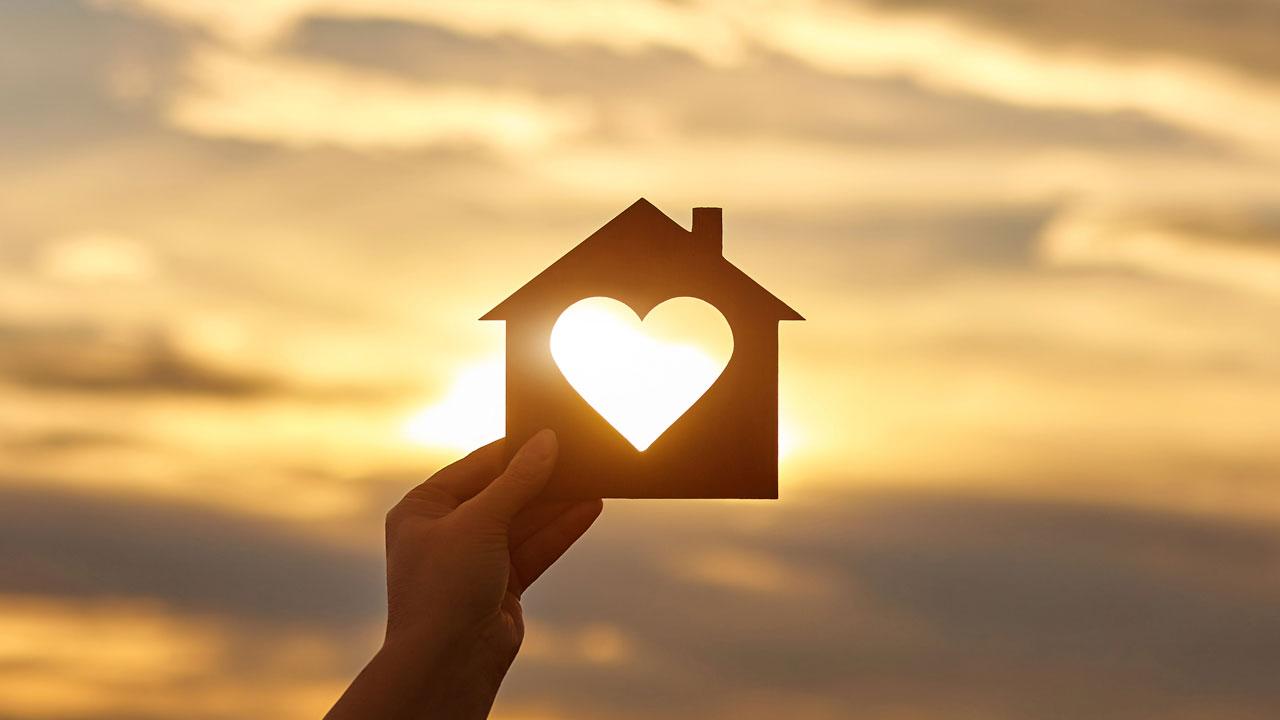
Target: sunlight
<point x="787" y="439"/>
<point x="664" y="364"/>
<point x="641" y="377"/>
<point x="471" y="413"/>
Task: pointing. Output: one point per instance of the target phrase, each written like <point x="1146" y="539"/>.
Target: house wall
<point x="726" y="445"/>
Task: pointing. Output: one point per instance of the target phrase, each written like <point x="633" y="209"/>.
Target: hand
<point x="461" y="549"/>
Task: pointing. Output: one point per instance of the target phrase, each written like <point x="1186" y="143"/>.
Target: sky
<point x="1032" y="465"/>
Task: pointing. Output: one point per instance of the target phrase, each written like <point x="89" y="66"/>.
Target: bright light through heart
<point x="641" y="377"/>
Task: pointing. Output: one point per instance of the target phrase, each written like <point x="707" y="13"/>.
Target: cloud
<point x="96" y="257"/>
<point x="626" y="27"/>
<point x="81" y="545"/>
<point x="79" y="357"/>
<point x="929" y="597"/>
<point x="665" y="93"/>
<point x="74" y="659"/>
<point x="1211" y="248"/>
<point x="593" y="643"/>
<point x="940" y="52"/>
<point x="269" y="99"/>
<point x="931" y="47"/>
<point x="934" y="600"/>
<point x="64" y="441"/>
<point x="744" y="571"/>
<point x="98" y="85"/>
<point x="1241" y="33"/>
<point x="92" y="358"/>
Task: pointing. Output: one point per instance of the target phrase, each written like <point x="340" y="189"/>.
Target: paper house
<point x="726" y="444"/>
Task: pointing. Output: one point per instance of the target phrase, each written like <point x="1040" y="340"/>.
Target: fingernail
<point x="542" y="445"/>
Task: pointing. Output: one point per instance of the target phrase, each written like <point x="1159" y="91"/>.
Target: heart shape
<point x="641" y="376"/>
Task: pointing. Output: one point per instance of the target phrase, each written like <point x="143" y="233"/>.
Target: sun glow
<point x="641" y="377"/>
<point x="470" y="414"/>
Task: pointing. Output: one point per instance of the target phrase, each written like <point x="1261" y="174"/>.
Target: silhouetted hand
<point x="461" y="548"/>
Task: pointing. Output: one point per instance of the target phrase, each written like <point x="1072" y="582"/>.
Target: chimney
<point x="708" y="230"/>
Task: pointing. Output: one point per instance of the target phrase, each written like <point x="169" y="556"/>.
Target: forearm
<point x="418" y="681"/>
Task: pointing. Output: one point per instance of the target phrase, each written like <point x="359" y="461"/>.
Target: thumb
<point x="526" y="475"/>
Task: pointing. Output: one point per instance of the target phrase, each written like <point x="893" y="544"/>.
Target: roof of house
<point x="642" y="242"/>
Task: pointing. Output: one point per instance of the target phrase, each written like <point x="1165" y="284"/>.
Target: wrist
<point x="410" y="678"/>
<point x="454" y="675"/>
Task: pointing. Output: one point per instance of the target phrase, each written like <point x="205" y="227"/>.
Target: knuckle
<point x="425" y="495"/>
<point x="488" y="513"/>
<point x="394" y="517"/>
<point x="521" y="473"/>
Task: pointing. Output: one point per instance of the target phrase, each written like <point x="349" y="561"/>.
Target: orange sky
<point x="244" y="247"/>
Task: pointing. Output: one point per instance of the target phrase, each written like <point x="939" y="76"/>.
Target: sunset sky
<point x="1032" y="421"/>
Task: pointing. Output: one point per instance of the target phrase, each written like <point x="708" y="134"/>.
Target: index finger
<point x="468" y="476"/>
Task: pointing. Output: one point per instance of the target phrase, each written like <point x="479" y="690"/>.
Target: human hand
<point x="461" y="549"/>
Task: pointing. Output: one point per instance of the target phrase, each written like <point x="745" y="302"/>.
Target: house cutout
<point x="726" y="444"/>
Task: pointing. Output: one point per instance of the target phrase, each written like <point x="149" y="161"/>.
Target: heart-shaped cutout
<point x="641" y="376"/>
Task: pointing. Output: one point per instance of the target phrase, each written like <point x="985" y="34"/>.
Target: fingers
<point x="526" y="475"/>
<point x="533" y="518"/>
<point x="466" y="477"/>
<point x="543" y="548"/>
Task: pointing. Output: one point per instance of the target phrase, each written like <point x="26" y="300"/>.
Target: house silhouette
<point x="726" y="444"/>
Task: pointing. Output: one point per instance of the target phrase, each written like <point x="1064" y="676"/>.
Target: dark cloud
<point x="1253" y="225"/>
<point x="1007" y="606"/>
<point x="903" y="245"/>
<point x="72" y="361"/>
<point x="82" y="357"/>
<point x="65" y="440"/>
<point x="1237" y="32"/>
<point x="770" y="96"/>
<point x="72" y="76"/>
<point x="918" y="600"/>
<point x="192" y="558"/>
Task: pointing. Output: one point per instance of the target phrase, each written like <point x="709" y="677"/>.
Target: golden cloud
<point x="1151" y="243"/>
<point x="77" y="658"/>
<point x="933" y="48"/>
<point x="299" y="103"/>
